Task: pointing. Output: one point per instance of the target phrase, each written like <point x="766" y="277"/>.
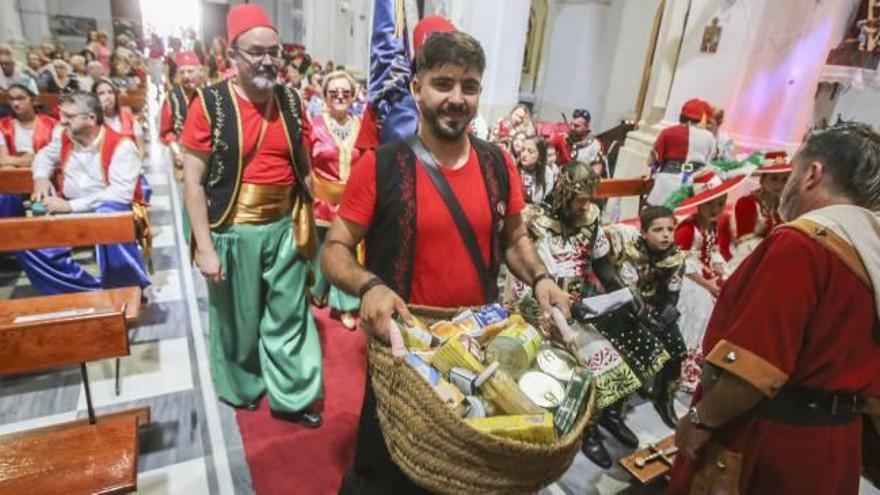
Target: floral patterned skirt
<point x="695" y="304"/>
<point x="615" y="380"/>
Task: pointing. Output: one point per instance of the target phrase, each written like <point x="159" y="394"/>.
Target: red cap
<point x="186" y="58"/>
<point x="245" y="17"/>
<point x="696" y="109"/>
<point x="775" y="162"/>
<point x="428" y="26"/>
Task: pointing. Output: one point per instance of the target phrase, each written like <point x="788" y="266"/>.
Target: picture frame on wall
<point x="70" y="25"/>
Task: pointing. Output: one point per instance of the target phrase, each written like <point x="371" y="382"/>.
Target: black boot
<point x="594" y="449"/>
<point x="612" y="420"/>
<point x="664" y="398"/>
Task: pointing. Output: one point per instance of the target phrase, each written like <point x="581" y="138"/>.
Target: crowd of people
<point x="287" y="208"/>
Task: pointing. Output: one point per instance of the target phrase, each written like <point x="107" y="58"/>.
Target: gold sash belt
<point x="327" y="190"/>
<point x="259" y="204"/>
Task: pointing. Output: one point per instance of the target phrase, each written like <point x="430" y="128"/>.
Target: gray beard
<point x="263" y="82"/>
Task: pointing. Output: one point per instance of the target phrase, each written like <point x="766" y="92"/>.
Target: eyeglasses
<point x="258" y="53"/>
<point x="333" y="93"/>
<point x="71" y="116"/>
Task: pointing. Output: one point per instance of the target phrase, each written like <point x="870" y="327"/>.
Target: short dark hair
<point x="651" y="213"/>
<point x="850" y="154"/>
<point x="87" y="101"/>
<point x="456" y="48"/>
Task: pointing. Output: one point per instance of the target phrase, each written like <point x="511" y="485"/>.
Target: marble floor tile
<point x="165" y="286"/>
<point x="188" y="478"/>
<point x="153" y="368"/>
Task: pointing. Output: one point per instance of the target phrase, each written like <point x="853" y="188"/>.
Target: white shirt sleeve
<point x="603" y="245"/>
<point x="137" y="128"/>
<point x="47" y="158"/>
<point x="125" y="168"/>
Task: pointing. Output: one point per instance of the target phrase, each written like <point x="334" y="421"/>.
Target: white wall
<point x="858" y="104"/>
<point x="629" y="26"/>
<point x="573" y="76"/>
<point x="339" y="31"/>
<point x="767" y="66"/>
<point x="500" y="26"/>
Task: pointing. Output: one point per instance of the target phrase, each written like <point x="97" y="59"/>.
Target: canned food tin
<point x="556" y="362"/>
<point x="515" y="348"/>
<point x="542" y="389"/>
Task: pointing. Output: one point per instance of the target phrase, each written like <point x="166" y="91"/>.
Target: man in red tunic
<point x="793" y="347"/>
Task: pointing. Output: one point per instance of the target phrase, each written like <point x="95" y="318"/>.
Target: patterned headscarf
<point x="576" y="179"/>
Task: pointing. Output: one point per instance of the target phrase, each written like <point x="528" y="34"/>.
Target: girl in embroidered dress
<point x="756" y="214"/>
<point x="334" y="133"/>
<point x="705" y="268"/>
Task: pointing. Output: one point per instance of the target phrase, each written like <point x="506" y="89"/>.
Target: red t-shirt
<point x="443" y="274"/>
<point x="270" y="164"/>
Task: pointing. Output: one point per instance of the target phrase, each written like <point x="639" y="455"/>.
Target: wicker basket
<point x="442" y="453"/>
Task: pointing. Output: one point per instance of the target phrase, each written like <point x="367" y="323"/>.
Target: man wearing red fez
<point x="191" y="77"/>
<point x="681" y="150"/>
<point x="249" y="204"/>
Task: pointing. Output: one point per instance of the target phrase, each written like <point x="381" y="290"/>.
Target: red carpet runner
<point x="287" y="458"/>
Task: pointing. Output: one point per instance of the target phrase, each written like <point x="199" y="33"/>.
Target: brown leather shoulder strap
<point x="834" y="243"/>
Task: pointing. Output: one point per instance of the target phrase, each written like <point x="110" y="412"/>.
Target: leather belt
<point x="803" y="406"/>
<point x="679" y="166"/>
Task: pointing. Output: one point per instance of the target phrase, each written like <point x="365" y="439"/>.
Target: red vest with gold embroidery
<point x="111" y="141"/>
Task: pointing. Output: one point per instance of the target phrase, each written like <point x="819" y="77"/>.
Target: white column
<point x="633" y="157"/>
<point x="500" y="26"/>
<point x="10" y="23"/>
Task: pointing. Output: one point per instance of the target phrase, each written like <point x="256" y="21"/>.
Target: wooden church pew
<point x="94" y="456"/>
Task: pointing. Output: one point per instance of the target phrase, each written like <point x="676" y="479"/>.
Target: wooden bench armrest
<point x="617" y="188"/>
<point x="85" y="229"/>
<point x="54" y="343"/>
<point x="75" y="457"/>
<point x="16" y="180"/>
<point x="99" y="300"/>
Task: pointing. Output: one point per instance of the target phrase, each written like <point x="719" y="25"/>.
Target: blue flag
<point x="390" y="73"/>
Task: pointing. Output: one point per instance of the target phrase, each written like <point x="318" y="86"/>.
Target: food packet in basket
<point x="417" y="336"/>
<point x="535" y="428"/>
<point x="448" y="393"/>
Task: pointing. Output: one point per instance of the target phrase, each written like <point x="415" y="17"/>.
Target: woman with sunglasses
<point x="334" y="133"/>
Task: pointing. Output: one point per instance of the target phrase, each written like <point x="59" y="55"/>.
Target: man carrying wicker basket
<point x="439" y="211"/>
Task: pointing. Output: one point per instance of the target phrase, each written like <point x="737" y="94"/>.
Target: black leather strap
<point x="802" y="406"/>
<point x="465" y="229"/>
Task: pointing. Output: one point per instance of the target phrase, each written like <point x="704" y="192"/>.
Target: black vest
<point x="391" y="240"/>
<point x="179" y="106"/>
<point x="223" y="177"/>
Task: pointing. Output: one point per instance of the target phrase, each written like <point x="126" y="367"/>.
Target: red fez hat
<point x="695" y="109"/>
<point x="245" y="17"/>
<point x="428" y="26"/>
<point x="186" y="58"/>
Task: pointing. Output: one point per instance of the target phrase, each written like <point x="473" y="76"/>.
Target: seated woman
<point x="87" y="167"/>
<point x="24" y="133"/>
<point x="123" y="74"/>
<point x="532" y="167"/>
<point x="119" y="119"/>
<point x="63" y="80"/>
